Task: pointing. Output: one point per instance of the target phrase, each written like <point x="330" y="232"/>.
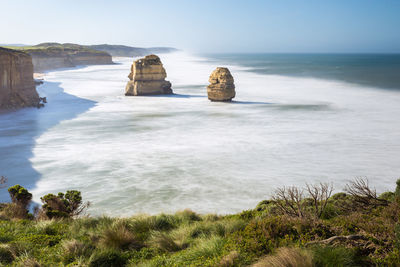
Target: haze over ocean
<point x="162" y="154"/>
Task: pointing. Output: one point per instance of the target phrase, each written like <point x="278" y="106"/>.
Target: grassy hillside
<point x="113" y="50"/>
<point x="297" y="227"/>
<point x="55" y="48"/>
<point x="129" y="51"/>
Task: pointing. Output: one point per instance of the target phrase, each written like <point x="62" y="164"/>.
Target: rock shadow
<point x="20" y="129"/>
<point x="179" y="96"/>
<point x="250" y="102"/>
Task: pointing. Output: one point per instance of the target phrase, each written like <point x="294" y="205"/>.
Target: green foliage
<point x="6" y="256"/>
<point x="189" y="239"/>
<point x="107" y="258"/>
<point x="389" y="196"/>
<point x="336" y="257"/>
<point x="261" y="236"/>
<point x="21" y="198"/>
<point x="118" y="236"/>
<point x="74" y="249"/>
<point x="63" y="205"/>
<point x="20" y="195"/>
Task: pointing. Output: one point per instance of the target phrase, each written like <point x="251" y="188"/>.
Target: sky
<point x="295" y="26"/>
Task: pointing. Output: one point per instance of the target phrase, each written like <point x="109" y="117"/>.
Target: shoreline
<point x="150" y="116"/>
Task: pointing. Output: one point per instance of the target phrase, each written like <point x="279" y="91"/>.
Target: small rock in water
<point x="222" y="87"/>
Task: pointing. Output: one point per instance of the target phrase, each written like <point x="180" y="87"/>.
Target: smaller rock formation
<point x="147" y="77"/>
<point x="221" y="86"/>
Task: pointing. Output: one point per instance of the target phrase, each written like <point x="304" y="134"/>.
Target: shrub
<point x="389" y="196"/>
<point x="20" y="198"/>
<point x="261" y="236"/>
<point x="6" y="256"/>
<point x="20" y="195"/>
<point x="107" y="258"/>
<point x="287" y="257"/>
<point x="63" y="205"/>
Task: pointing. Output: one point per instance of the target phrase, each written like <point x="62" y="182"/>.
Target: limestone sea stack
<point x="17" y="87"/>
<point x="147" y="77"/>
<point x="222" y="87"/>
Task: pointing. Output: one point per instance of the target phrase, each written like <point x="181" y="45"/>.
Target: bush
<point x="261" y="236"/>
<point x="6" y="256"/>
<point x="20" y="195"/>
<point x="20" y="198"/>
<point x="63" y="205"/>
<point x="107" y="258"/>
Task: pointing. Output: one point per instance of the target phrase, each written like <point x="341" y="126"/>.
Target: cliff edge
<point x="17" y="87"/>
<point x="49" y="56"/>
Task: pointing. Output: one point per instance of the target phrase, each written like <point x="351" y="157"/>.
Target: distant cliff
<point x="17" y="87"/>
<point x="49" y="56"/>
<point x="129" y="51"/>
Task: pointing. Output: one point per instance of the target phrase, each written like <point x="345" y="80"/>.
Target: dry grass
<point x="75" y="247"/>
<point x="14" y="211"/>
<point x="287" y="257"/>
<point x="229" y="260"/>
<point x="30" y="263"/>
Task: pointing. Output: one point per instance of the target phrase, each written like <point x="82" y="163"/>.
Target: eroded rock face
<point x="58" y="58"/>
<point x="222" y="87"/>
<point x="17" y="87"/>
<point x="147" y="77"/>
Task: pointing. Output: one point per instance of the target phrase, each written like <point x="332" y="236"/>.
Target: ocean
<point x="296" y="119"/>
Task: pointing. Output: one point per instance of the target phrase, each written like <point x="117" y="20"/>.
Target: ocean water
<point x="156" y="154"/>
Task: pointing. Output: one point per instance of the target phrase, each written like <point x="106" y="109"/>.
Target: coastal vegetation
<point x="308" y="226"/>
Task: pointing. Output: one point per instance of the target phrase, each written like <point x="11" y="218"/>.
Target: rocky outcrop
<point x="147" y="77"/>
<point x="17" y="87"/>
<point x="222" y="87"/>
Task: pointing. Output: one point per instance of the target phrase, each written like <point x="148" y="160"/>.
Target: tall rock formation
<point x="17" y="87"/>
<point x="221" y="86"/>
<point x="147" y="77"/>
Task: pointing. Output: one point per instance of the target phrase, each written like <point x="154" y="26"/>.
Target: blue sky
<point x="209" y="26"/>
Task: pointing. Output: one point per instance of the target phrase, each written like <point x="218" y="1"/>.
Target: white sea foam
<point x="161" y="154"/>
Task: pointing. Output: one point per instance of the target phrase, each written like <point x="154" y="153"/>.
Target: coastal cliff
<point x="49" y="56"/>
<point x="17" y="87"/>
<point x="147" y="77"/>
